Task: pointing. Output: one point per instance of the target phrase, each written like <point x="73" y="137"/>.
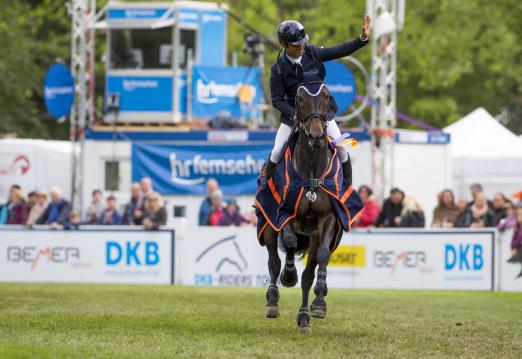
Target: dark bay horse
<point x="315" y="218"/>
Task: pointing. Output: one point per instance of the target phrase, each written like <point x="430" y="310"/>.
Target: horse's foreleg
<point x="307" y="279"/>
<point x="289" y="274"/>
<point x="274" y="267"/>
<point x="326" y="232"/>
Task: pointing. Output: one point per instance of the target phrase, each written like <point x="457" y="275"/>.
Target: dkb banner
<point x="216" y="89"/>
<point x="178" y="169"/>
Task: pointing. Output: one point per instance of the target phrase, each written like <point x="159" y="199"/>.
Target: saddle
<point x="277" y="203"/>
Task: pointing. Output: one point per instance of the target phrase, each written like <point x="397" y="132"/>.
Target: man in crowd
<point x="4" y="209"/>
<point x="206" y="205"/>
<point x="134" y="210"/>
<point x="110" y="215"/>
<point x="390" y="215"/>
<point x="58" y="210"/>
<point x="146" y="186"/>
<point x="95" y="208"/>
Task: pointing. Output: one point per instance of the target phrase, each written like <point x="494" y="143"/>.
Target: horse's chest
<point x="308" y="212"/>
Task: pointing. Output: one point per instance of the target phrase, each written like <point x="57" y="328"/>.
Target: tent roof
<point x="480" y="135"/>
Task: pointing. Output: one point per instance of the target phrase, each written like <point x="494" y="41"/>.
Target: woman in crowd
<point x="513" y="220"/>
<point x="412" y="214"/>
<point x="231" y="215"/>
<point x="498" y="210"/>
<point x="216" y="207"/>
<point x="477" y="215"/>
<point x="156" y="214"/>
<point x="18" y="209"/>
<point x="446" y="213"/>
<point x="38" y="208"/>
<point x="371" y="208"/>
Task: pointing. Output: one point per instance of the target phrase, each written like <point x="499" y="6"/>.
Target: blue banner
<point x="141" y="93"/>
<point x="58" y="90"/>
<point x="341" y="84"/>
<point x="216" y="89"/>
<point x="178" y="169"/>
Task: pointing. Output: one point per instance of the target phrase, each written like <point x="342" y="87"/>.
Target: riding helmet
<point x="291" y="32"/>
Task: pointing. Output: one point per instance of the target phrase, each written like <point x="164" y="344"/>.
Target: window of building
<point x="117" y="175"/>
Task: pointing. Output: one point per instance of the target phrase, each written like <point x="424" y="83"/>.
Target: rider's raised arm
<point x="277" y="91"/>
<point x="338" y="51"/>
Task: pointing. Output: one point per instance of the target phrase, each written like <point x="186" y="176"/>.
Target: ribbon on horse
<point x="277" y="203"/>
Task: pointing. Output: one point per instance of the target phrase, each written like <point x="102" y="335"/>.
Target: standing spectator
<point x="476" y="215"/>
<point x="4" y="209"/>
<point x="134" y="210"/>
<point x="475" y="189"/>
<point x="216" y="209"/>
<point x="498" y="210"/>
<point x="412" y="215"/>
<point x="58" y="210"/>
<point x="516" y="241"/>
<point x="446" y="213"/>
<point x="156" y="214"/>
<point x="204" y="210"/>
<point x="371" y="208"/>
<point x="146" y="187"/>
<point x="231" y="215"/>
<point x="18" y="209"/>
<point x="93" y="212"/>
<point x="38" y="208"/>
<point x="110" y="215"/>
<point x="390" y="215"/>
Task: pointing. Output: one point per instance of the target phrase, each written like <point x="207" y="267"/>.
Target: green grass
<point x="50" y="320"/>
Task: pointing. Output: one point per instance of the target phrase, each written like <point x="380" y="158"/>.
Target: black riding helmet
<point x="291" y="32"/>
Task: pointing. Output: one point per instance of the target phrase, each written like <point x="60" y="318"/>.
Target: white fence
<point x="231" y="256"/>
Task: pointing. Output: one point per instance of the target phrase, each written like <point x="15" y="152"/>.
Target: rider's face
<point x="294" y="51"/>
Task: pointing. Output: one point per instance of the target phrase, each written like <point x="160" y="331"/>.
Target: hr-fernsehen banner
<point x="178" y="169"/>
<point x="216" y="89"/>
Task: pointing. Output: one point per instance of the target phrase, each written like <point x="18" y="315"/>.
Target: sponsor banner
<point x="341" y="84"/>
<point x="222" y="256"/>
<point x="97" y="256"/>
<point x="176" y="169"/>
<point x="401" y="260"/>
<point x="141" y="93"/>
<point x="216" y="89"/>
<point x="58" y="90"/>
<point x="510" y="267"/>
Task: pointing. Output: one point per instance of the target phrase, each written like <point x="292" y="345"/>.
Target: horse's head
<point x="312" y="110"/>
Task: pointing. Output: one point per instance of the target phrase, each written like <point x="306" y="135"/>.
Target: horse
<point x="311" y="230"/>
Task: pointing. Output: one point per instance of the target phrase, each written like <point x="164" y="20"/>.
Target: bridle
<point x="302" y="121"/>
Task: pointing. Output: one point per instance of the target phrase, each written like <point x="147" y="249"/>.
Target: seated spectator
<point x="412" y="215"/>
<point x="18" y="209"/>
<point x="38" y="208"/>
<point x="390" y="215"/>
<point x="110" y="215"/>
<point x="156" y="214"/>
<point x="73" y="222"/>
<point x="4" y="208"/>
<point x="135" y="209"/>
<point x="231" y="215"/>
<point x="216" y="209"/>
<point x="93" y="212"/>
<point x="446" y="213"/>
<point x="498" y="210"/>
<point x="476" y="215"/>
<point x="371" y="208"/>
<point x="57" y="211"/>
<point x="204" y="210"/>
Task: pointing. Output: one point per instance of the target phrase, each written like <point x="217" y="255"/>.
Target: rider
<point x="286" y="74"/>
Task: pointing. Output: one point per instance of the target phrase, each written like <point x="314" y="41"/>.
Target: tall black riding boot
<point x="268" y="172"/>
<point x="347" y="170"/>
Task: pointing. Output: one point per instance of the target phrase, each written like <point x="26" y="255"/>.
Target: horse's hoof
<point x="289" y="277"/>
<point x="318" y="311"/>
<point x="272" y="311"/>
<point x="289" y="240"/>
<point x="305" y="329"/>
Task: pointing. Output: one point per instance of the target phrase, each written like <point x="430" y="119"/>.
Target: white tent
<point x="484" y="151"/>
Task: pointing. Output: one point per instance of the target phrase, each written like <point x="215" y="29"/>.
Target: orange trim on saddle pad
<point x="278" y="229"/>
<point x="271" y="185"/>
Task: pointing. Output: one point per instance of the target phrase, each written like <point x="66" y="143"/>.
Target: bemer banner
<point x="176" y="169"/>
<point x="216" y="89"/>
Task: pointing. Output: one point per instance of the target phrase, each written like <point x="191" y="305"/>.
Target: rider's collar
<point x="292" y="60"/>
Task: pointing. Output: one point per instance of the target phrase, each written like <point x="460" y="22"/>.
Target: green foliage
<point x="453" y="55"/>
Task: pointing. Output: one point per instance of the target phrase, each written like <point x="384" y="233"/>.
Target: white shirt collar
<point x="292" y="60"/>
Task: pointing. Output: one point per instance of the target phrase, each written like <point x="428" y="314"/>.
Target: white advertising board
<point x="230" y="256"/>
<point x="510" y="270"/>
<point x="95" y="256"/>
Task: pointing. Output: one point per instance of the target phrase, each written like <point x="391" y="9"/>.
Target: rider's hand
<point x="366" y="27"/>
